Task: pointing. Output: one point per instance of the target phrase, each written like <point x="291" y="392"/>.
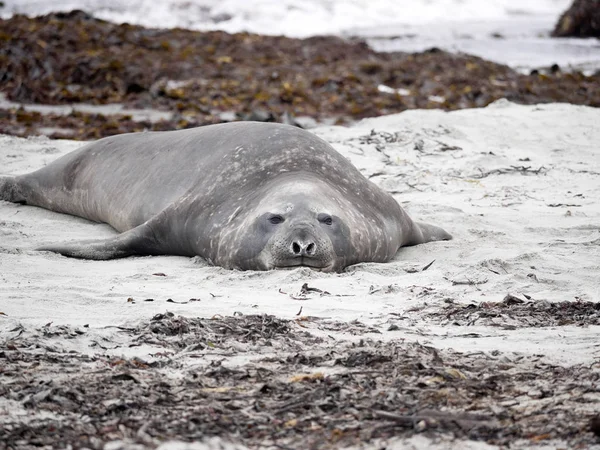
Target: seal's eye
<point x="276" y="219"/>
<point x="325" y="218"/>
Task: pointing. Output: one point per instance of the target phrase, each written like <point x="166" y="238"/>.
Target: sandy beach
<point x="517" y="186"/>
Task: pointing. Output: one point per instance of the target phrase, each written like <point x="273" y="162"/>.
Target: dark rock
<point x="595" y="425"/>
<point x="582" y="19"/>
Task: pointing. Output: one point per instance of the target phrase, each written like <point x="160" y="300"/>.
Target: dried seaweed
<point x="210" y="77"/>
<point x="286" y="391"/>
<point x="514" y="312"/>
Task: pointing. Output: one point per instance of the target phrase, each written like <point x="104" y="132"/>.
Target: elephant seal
<point x="244" y="195"/>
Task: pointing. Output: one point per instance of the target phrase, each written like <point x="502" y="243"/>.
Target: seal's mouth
<point x="303" y="262"/>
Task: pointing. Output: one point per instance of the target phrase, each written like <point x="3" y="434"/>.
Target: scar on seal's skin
<point x="243" y="195"/>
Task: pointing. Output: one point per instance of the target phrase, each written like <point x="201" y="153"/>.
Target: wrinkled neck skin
<point x="300" y="220"/>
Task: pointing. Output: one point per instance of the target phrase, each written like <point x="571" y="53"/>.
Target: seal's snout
<point x="301" y="245"/>
<point x="303" y="248"/>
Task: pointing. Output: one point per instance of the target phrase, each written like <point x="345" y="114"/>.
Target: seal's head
<point x="298" y="223"/>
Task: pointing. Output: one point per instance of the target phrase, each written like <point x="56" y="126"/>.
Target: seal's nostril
<point x="296" y="248"/>
<point x="300" y="248"/>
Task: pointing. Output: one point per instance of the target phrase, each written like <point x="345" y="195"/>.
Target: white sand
<point x="521" y="233"/>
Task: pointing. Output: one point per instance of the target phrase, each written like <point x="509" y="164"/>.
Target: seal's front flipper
<point x="424" y="232"/>
<point x="137" y="241"/>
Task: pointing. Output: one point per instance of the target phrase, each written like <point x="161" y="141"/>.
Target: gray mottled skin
<point x="242" y="195"/>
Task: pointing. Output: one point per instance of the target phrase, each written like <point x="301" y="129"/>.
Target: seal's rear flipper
<point x="9" y="190"/>
<point x="137" y="241"/>
<point x="424" y="232"/>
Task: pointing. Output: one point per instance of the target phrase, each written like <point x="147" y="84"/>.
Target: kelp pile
<point x="211" y="77"/>
<point x="265" y="382"/>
